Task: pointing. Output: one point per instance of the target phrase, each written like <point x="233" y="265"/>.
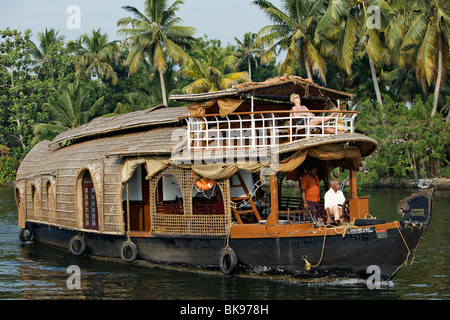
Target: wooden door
<point x="90" y="212"/>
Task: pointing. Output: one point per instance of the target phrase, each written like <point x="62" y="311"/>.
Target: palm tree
<point x="344" y="31"/>
<point x="400" y="76"/>
<point x="428" y="40"/>
<point x="97" y="57"/>
<point x="48" y="41"/>
<point x="133" y="101"/>
<point x="248" y="50"/>
<point x="70" y="107"/>
<point x="155" y="36"/>
<point x="293" y="31"/>
<point x="212" y="68"/>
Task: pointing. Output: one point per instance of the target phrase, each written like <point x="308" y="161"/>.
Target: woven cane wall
<point x="52" y="192"/>
<point x="188" y="224"/>
<point x="48" y="185"/>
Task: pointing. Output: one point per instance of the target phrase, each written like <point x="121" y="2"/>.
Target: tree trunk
<point x="375" y="82"/>
<point x="163" y="87"/>
<point x="99" y="83"/>
<point x="439" y="75"/>
<point x="249" y="67"/>
<point x="307" y="65"/>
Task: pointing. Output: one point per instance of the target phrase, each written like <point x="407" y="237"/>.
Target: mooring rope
<point x="397" y="224"/>
<point x="308" y="265"/>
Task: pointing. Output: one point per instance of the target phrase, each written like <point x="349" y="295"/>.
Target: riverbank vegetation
<point x="393" y="55"/>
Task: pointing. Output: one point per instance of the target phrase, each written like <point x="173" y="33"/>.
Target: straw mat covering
<point x="63" y="169"/>
<point x="365" y="144"/>
<point x="133" y="120"/>
<point x="279" y="88"/>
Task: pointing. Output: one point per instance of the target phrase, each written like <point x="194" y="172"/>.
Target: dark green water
<point x="33" y="271"/>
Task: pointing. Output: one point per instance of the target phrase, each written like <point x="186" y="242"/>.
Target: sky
<point x="218" y="19"/>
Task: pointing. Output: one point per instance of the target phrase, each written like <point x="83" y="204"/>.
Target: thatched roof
<point x="46" y="157"/>
<point x="133" y="120"/>
<point x="279" y="88"/>
<point x="365" y="144"/>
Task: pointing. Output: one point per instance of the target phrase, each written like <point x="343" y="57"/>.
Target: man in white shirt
<point x="334" y="199"/>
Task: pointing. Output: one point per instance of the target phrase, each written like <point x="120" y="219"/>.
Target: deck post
<point x="353" y="186"/>
<point x="273" y="217"/>
<point x="128" y="209"/>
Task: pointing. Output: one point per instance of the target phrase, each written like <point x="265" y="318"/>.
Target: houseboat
<point x="201" y="186"/>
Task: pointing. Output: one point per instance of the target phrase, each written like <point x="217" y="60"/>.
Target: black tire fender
<point x="128" y="251"/>
<point x="25" y="236"/>
<point x="77" y="245"/>
<point x="228" y="260"/>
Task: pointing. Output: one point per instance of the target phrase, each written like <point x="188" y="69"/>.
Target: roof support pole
<point x="128" y="210"/>
<point x="253" y="129"/>
<point x="273" y="217"/>
<point x="353" y="186"/>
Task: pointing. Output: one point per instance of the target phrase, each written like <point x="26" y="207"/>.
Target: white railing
<point x="263" y="129"/>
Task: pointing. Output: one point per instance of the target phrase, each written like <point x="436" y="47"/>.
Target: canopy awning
<point x="349" y="155"/>
<point x="278" y="90"/>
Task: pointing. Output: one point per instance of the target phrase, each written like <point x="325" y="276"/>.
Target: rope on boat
<point x="308" y="265"/>
<point x="345" y="227"/>
<point x="254" y="188"/>
<point x="397" y="224"/>
<point x="228" y="235"/>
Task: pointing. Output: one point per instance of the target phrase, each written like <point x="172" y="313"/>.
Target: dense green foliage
<point x="398" y="71"/>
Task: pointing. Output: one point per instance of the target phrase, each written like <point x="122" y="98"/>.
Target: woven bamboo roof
<point x="365" y="144"/>
<point x="279" y="88"/>
<point x="145" y="118"/>
<point x="46" y="157"/>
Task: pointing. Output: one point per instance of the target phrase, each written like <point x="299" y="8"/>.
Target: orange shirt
<point x="311" y="185"/>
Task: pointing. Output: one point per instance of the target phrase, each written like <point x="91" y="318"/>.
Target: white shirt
<point x="334" y="198"/>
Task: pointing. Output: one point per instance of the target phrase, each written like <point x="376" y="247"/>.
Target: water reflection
<point x="33" y="271"/>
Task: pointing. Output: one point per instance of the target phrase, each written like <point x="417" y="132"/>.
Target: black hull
<point x="349" y="256"/>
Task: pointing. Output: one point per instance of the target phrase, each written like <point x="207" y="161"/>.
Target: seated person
<point x="295" y="99"/>
<point x="334" y="199"/>
<point x="313" y="122"/>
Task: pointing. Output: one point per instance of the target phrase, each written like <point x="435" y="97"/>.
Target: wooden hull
<point x="330" y="252"/>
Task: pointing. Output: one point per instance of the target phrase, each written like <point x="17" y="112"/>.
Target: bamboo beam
<point x="353" y="186"/>
<point x="273" y="217"/>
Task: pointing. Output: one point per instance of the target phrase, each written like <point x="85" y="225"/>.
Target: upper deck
<point x="259" y="115"/>
<point x="263" y="129"/>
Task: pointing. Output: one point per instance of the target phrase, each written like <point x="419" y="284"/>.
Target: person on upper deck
<point x="310" y="186"/>
<point x="313" y="122"/>
<point x="334" y="199"/>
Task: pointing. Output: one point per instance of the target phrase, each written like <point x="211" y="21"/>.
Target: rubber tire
<point x="23" y="235"/>
<point x="134" y="250"/>
<point x="228" y="261"/>
<point x="77" y="249"/>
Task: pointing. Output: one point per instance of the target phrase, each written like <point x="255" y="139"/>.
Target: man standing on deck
<point x="310" y="186"/>
<point x="334" y="199"/>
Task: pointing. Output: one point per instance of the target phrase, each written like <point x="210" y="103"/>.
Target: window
<point x="90" y="212"/>
<point x="169" y="197"/>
